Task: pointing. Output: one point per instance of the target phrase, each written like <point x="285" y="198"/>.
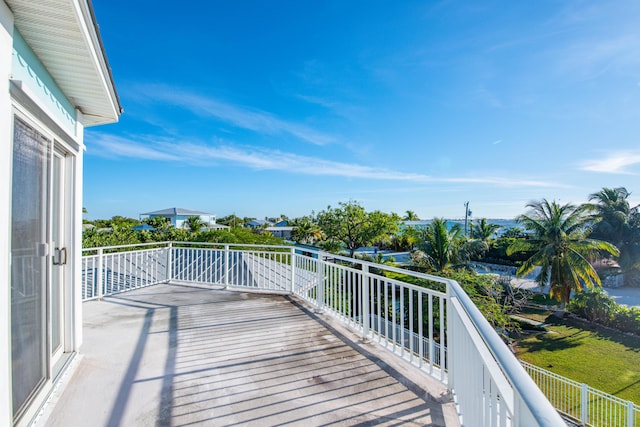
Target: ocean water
<point x="503" y="223"/>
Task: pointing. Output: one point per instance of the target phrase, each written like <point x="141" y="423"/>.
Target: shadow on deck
<point x="180" y="355"/>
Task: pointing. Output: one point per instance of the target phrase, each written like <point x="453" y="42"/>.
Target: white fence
<point x="582" y="403"/>
<point x="434" y="327"/>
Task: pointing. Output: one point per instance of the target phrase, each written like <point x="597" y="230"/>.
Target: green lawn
<point x="603" y="359"/>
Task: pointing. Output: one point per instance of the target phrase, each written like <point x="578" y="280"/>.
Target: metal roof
<point x="175" y="211"/>
<point x="65" y="37"/>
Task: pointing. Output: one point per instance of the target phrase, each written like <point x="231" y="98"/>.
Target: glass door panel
<point x="29" y="254"/>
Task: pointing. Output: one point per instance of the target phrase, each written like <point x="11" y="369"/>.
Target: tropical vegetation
<point x="570" y="247"/>
<point x="120" y="232"/>
<point x="615" y="221"/>
<point x="441" y="247"/>
<point x="561" y="249"/>
<point x="351" y="225"/>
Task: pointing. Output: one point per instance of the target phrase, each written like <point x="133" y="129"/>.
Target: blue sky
<point x="284" y="107"/>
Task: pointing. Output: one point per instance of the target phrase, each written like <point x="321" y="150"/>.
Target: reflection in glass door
<point x="29" y="254"/>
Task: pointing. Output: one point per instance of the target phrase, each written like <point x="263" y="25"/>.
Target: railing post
<point x="320" y="283"/>
<point x="365" y="301"/>
<point x="169" y="268"/>
<point x="293" y="271"/>
<point x="631" y="414"/>
<point x="99" y="277"/>
<point x="584" y="404"/>
<point x="225" y="279"/>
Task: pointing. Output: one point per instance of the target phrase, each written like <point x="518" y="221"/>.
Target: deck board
<point x="185" y="355"/>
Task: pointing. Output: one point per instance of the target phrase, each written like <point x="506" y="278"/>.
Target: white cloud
<point x="116" y="146"/>
<point x="236" y="115"/>
<point x="259" y="158"/>
<point x="617" y="162"/>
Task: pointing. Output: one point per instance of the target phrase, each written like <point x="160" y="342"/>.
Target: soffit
<point x="63" y="34"/>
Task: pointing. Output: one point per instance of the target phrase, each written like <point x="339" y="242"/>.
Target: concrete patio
<point x="179" y="355"/>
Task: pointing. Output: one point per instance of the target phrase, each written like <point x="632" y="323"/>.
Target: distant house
<point x="178" y="216"/>
<point x="257" y="223"/>
<point x="282" y="232"/>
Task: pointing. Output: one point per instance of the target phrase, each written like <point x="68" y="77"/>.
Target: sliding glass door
<point x="29" y="266"/>
<point x="41" y="303"/>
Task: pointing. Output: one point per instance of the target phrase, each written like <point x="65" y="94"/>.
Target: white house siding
<point x="41" y="105"/>
<point x="31" y="94"/>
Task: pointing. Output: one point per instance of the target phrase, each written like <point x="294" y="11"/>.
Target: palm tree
<point x="411" y="216"/>
<point x="440" y="245"/>
<point x="612" y="214"/>
<point x="194" y="223"/>
<point x="557" y="237"/>
<point x="306" y="231"/>
<point x="405" y="239"/>
<point x="615" y="221"/>
<point x="484" y="231"/>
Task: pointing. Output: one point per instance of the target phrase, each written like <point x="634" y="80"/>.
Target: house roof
<point x="65" y="37"/>
<point x="175" y="212"/>
<point x="259" y="222"/>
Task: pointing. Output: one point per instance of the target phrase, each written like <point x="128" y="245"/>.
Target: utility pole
<point x="466" y="217"/>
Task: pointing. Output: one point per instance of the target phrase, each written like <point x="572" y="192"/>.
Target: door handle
<point x="60" y="256"/>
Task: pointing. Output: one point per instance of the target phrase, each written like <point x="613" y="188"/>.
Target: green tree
<point x="306" y="231"/>
<point x="159" y="222"/>
<point x="411" y="216"/>
<point x="351" y="225"/>
<point x="231" y="221"/>
<point x="194" y="224"/>
<point x="616" y="222"/>
<point x="484" y="231"/>
<point x="116" y="221"/>
<point x="513" y="232"/>
<point x="561" y="248"/>
<point x="406" y="239"/>
<point x="612" y="214"/>
<point x="441" y="247"/>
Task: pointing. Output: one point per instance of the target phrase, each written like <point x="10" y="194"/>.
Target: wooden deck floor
<point x="183" y="355"/>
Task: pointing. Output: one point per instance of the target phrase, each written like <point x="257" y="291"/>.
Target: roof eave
<point x="65" y="36"/>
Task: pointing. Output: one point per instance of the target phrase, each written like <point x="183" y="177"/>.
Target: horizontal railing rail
<point x="583" y="403"/>
<point x="435" y="327"/>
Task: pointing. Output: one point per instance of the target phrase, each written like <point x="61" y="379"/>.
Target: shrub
<point x="626" y="319"/>
<point x="594" y="305"/>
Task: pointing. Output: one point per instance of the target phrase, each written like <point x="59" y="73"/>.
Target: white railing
<point x="110" y="273"/>
<point x="441" y="332"/>
<point x="230" y="266"/>
<point x="385" y="310"/>
<point x="587" y="405"/>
